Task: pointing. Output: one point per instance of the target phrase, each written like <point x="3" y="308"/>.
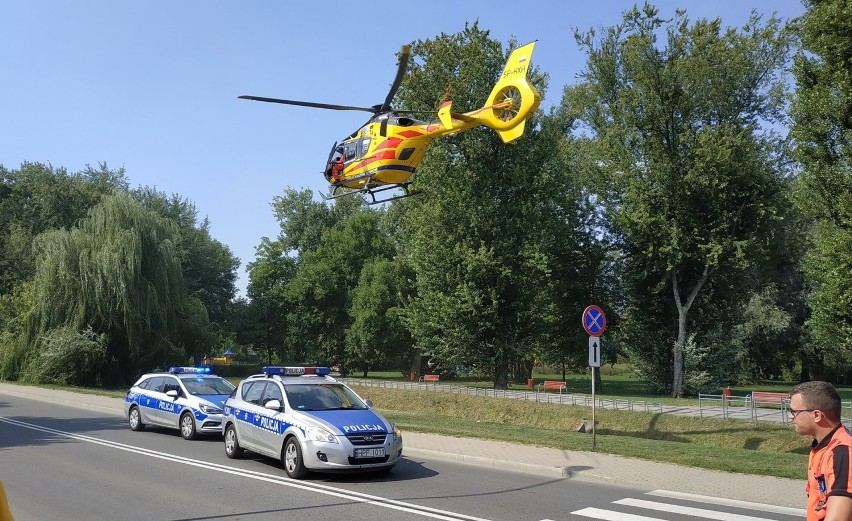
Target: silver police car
<point x="186" y="398"/>
<point x="309" y="421"/>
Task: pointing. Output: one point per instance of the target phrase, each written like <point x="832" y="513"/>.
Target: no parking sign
<point x="594" y="320"/>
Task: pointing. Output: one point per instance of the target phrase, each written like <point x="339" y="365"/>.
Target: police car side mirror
<point x="369" y="403"/>
<point x="275" y="405"/>
<point x="172" y="393"/>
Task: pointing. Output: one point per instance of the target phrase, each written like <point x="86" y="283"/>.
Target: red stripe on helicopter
<point x="391" y="142"/>
<point x="410" y="133"/>
<point x="389" y="154"/>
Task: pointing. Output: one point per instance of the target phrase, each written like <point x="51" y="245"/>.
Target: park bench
<point x="430" y="378"/>
<point x="553" y="385"/>
<point x="769" y="398"/>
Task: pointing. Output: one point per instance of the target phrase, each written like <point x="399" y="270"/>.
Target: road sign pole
<point x="594" y="322"/>
<point x="594" y="429"/>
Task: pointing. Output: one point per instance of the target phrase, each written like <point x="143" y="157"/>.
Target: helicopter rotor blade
<point x="400" y="73"/>
<point x="309" y="104"/>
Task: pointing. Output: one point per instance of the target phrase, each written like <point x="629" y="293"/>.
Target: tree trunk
<point x="501" y="375"/>
<point x="682" y="311"/>
<point x="678" y="370"/>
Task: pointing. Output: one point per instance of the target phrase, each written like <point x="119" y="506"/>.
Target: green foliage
<point x="378" y="336"/>
<point x="67" y="357"/>
<point x="266" y="316"/>
<point x="119" y="274"/>
<point x="687" y="173"/>
<point x="320" y="293"/>
<point x="822" y="131"/>
<point x="37" y="198"/>
<point x="494" y="246"/>
<point x="208" y="267"/>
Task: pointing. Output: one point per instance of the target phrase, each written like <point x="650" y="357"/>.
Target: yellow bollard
<point x="5" y="513"/>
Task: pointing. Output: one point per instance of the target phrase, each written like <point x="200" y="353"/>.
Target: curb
<point x="479" y="461"/>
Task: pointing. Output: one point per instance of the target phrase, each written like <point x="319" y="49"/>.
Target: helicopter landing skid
<point x="371" y="192"/>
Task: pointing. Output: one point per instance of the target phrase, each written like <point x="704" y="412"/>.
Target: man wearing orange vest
<point x="815" y="411"/>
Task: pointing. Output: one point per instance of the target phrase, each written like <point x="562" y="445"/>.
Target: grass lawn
<point x="726" y="445"/>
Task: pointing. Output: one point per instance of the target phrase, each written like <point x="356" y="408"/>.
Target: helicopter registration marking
<point x="520" y="69"/>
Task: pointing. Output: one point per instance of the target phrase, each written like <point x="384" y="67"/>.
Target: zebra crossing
<point x="665" y="505"/>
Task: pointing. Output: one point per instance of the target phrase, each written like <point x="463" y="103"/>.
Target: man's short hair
<point x="820" y="396"/>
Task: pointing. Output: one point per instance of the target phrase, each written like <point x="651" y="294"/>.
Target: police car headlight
<point x="209" y="409"/>
<point x="397" y="434"/>
<point x="320" y="434"/>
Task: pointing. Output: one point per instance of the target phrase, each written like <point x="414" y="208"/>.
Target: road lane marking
<point x="689" y="511"/>
<point x="359" y="497"/>
<point x="800" y="512"/>
<point x="609" y="515"/>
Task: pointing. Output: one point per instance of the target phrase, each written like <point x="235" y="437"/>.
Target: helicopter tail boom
<point x="512" y="100"/>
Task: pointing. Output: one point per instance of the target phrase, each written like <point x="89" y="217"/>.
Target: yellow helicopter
<point x="384" y="153"/>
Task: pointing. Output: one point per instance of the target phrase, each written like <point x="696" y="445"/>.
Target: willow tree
<point x="117" y="273"/>
<point x="686" y="167"/>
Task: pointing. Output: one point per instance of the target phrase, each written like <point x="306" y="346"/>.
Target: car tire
<point x="134" y="417"/>
<point x="294" y="464"/>
<point x="187" y="426"/>
<point x="232" y="444"/>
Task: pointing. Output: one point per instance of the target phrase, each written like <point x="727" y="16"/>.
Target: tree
<point x="378" y="336"/>
<point x="37" y="198"/>
<point x="689" y="183"/>
<point x="208" y="266"/>
<point x="492" y="236"/>
<point x="822" y="133"/>
<point x="320" y="293"/>
<point x="268" y="311"/>
<point x="117" y="273"/>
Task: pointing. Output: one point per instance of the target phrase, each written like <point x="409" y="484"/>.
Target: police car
<point x="309" y="421"/>
<point x="186" y="398"/>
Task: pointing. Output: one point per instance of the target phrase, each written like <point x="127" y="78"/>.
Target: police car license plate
<point x="369" y="453"/>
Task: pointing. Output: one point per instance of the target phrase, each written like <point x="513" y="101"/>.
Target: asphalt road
<point x="69" y="464"/>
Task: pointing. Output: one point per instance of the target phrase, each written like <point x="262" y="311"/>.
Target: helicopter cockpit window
<point x="364" y="145"/>
<point x="350" y="151"/>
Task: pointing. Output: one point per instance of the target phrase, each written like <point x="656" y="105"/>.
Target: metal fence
<point x="709" y="405"/>
<point x="582" y="400"/>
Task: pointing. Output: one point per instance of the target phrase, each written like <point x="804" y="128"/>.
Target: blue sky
<point x="152" y="86"/>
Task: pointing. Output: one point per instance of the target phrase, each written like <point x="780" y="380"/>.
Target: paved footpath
<point x="588" y="466"/>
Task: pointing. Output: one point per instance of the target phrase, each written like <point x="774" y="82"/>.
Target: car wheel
<point x="187" y="426"/>
<point x="294" y="465"/>
<point x="232" y="444"/>
<point x="135" y="419"/>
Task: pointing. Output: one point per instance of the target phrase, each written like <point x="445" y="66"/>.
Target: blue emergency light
<point x="204" y="369"/>
<point x="295" y="371"/>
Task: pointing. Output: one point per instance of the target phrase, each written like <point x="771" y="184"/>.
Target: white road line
<point x="379" y="501"/>
<point x="610" y="515"/>
<point x="689" y="511"/>
<point x="801" y="512"/>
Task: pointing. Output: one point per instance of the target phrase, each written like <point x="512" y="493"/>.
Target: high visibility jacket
<point x="829" y="471"/>
<point x="5" y="513"/>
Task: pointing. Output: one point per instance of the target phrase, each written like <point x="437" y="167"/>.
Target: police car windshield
<point x="205" y="385"/>
<point x="324" y="397"/>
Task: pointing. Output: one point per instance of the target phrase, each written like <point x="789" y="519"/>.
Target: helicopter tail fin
<point x="513" y="99"/>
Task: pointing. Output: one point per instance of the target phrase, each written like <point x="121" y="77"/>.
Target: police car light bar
<point x="296" y="371"/>
<point x="204" y="369"/>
